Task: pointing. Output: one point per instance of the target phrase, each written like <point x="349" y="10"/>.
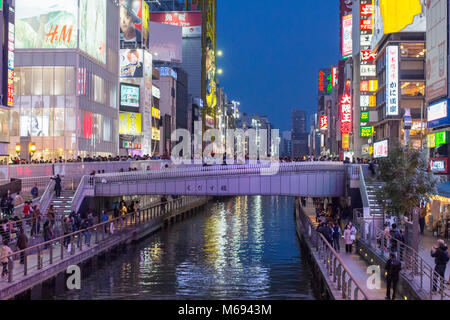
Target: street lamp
<point x="31" y="149"/>
<point x="18" y="149"/>
<point x="219" y="53"/>
<point x="219" y="71"/>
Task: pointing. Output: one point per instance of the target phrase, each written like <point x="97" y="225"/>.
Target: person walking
<point x="48" y="233"/>
<point x="423" y="214"/>
<point x="36" y="216"/>
<point x="440" y="254"/>
<point x="18" y="199"/>
<point x="57" y="186"/>
<point x="348" y="239"/>
<point x="35" y="191"/>
<point x="104" y="219"/>
<point x="22" y="243"/>
<point x="395" y="236"/>
<point x="336" y="236"/>
<point x="392" y="268"/>
<point x="51" y="215"/>
<point x="5" y="251"/>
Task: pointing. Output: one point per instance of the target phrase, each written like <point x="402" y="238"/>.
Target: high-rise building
<point x="299" y="135"/>
<point x="66" y="78"/>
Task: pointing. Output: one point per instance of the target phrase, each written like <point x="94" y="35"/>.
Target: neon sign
<point x="346" y="114"/>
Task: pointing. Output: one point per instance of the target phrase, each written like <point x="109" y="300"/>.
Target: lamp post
<point x="31" y="149"/>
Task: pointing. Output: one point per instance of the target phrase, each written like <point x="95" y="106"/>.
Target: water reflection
<point x="238" y="248"/>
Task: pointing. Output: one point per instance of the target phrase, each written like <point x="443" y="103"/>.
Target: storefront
<point x="438" y="211"/>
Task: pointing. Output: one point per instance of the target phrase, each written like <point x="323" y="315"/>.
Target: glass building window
<point x="99" y="89"/>
<point x="413" y="89"/>
<point x="37" y="81"/>
<point x="60" y="77"/>
<point x="413" y="50"/>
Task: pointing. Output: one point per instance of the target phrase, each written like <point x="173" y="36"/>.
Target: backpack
<point x="444" y="257"/>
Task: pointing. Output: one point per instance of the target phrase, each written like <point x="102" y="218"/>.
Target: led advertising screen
<point x="46" y="24"/>
<point x="439" y="165"/>
<point x="130" y="23"/>
<point x="436" y="54"/>
<point x="93" y="28"/>
<point x="380" y="149"/>
<point x="323" y="122"/>
<point x="347" y="40"/>
<point x="129" y="95"/>
<point x="131" y="63"/>
<point x="166" y="42"/>
<point x="392" y="16"/>
<point x="34" y="126"/>
<point x="392" y="87"/>
<point x="191" y="22"/>
<point x="130" y="123"/>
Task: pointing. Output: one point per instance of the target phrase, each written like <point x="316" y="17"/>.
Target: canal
<point x="236" y="248"/>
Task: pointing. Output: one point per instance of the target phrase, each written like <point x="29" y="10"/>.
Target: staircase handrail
<point x="87" y="182"/>
<point x="47" y="196"/>
<point x="363" y="188"/>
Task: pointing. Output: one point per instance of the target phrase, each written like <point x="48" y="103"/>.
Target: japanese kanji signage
<point x="346" y="114"/>
<point x="392" y="96"/>
<point x="323" y="122"/>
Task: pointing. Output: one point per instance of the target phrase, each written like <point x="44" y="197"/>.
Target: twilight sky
<point x="272" y="52"/>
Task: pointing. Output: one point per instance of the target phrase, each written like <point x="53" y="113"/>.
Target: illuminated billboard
<point x="436" y="56"/>
<point x="45" y="24"/>
<point x="130" y="23"/>
<point x="323" y="122"/>
<point x="130" y="123"/>
<point x="93" y="28"/>
<point x="380" y="149"/>
<point x="191" y="22"/>
<point x="366" y="132"/>
<point x="392" y="16"/>
<point x="347" y="40"/>
<point x="346" y="114"/>
<point x="131" y="63"/>
<point x="325" y="81"/>
<point x="145" y="25"/>
<point x="437" y="114"/>
<point x="129" y="95"/>
<point x="392" y="85"/>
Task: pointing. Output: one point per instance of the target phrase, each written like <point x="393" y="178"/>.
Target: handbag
<point x="352" y="237"/>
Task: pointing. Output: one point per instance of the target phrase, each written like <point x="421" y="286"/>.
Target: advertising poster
<point x="130" y="23"/>
<point x="45" y="24"/>
<point x="145" y="25"/>
<point x="129" y="95"/>
<point x="191" y="22"/>
<point x="131" y="63"/>
<point x="129" y="123"/>
<point x="380" y="149"/>
<point x="34" y="126"/>
<point x="345" y="10"/>
<point x="437" y="34"/>
<point x="391" y="16"/>
<point x="93" y="28"/>
<point x="209" y="57"/>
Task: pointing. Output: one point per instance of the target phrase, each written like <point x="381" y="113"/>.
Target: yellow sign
<point x="371" y="150"/>
<point x="431" y="141"/>
<point x="156" y="135"/>
<point x="345" y="141"/>
<point x="398" y="14"/>
<point x="372" y="101"/>
<point x="156" y="113"/>
<point x="130" y="123"/>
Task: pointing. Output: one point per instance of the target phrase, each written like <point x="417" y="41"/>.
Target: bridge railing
<point x="414" y="267"/>
<point x="335" y="267"/>
<point x="217" y="170"/>
<point x="56" y="250"/>
<point x="363" y="188"/>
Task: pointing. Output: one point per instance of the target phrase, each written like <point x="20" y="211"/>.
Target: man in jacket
<point x="22" y="243"/>
<point x="440" y="255"/>
<point x="393" y="267"/>
<point x="336" y="237"/>
<point x="35" y="191"/>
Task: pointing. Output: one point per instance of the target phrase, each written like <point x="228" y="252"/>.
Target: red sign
<point x="321" y="81"/>
<point x="81" y="82"/>
<point x="438" y="165"/>
<point x="366" y="24"/>
<point x="367" y="55"/>
<point x="323" y="122"/>
<point x="190" y="21"/>
<point x="366" y="9"/>
<point x="346" y="114"/>
<point x="10" y="89"/>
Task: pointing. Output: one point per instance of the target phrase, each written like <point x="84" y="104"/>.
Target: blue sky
<point x="273" y="51"/>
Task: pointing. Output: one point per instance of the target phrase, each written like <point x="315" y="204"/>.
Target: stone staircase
<point x="375" y="206"/>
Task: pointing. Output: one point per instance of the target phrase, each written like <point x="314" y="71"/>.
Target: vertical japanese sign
<point x="347" y="41"/>
<point x="392" y="96"/>
<point x="334" y="72"/>
<point x="10" y="89"/>
<point x="324" y="123"/>
<point x="346" y="114"/>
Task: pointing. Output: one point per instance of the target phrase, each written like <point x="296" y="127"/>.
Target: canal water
<point x="236" y="248"/>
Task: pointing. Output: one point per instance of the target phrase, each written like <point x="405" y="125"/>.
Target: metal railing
<point x="53" y="251"/>
<point x="47" y="196"/>
<point x="414" y="267"/>
<point x="335" y="267"/>
<point x="362" y="186"/>
<point x="87" y="182"/>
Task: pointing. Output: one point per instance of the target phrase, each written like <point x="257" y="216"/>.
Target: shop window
<point x="70" y="81"/>
<point x="26" y="81"/>
<point x="37" y="81"/>
<point x="60" y="77"/>
<point x="99" y="89"/>
<point x="106" y="129"/>
<point x="413" y="50"/>
<point x="413" y="89"/>
<point x="48" y="89"/>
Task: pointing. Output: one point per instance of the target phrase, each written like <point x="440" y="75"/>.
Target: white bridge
<point x="308" y="179"/>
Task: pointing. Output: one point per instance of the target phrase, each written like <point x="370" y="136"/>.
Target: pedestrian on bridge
<point x="348" y="238"/>
<point x="35" y="191"/>
<point x="5" y="251"/>
<point x="336" y="236"/>
<point x="22" y="243"/>
<point x="392" y="267"/>
<point x="441" y="258"/>
<point x="51" y="215"/>
<point x="57" y="186"/>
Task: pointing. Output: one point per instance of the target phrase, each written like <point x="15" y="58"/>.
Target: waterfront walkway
<point x="43" y="263"/>
<point x="353" y="262"/>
